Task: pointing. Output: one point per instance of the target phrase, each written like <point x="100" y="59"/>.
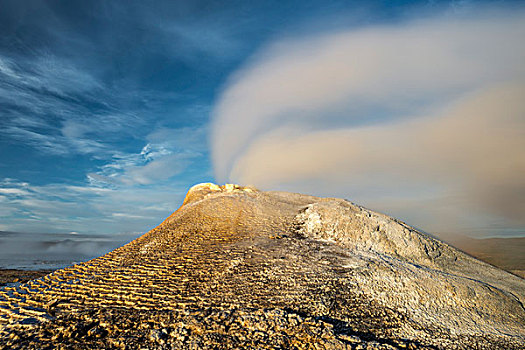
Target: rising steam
<point x="425" y="120"/>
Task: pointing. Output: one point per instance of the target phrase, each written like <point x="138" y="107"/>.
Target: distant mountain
<point x="239" y="268"/>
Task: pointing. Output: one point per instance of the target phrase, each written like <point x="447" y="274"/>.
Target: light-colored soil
<point x="238" y="268"/>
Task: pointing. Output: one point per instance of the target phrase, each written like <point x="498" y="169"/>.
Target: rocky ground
<point x="20" y="276"/>
<point x="239" y="268"/>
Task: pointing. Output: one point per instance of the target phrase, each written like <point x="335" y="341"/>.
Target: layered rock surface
<point x="237" y="267"/>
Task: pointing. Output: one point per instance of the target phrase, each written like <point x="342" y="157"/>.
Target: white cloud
<point x="155" y="170"/>
<point x="86" y="209"/>
<point x="150" y="152"/>
<point x="51" y="143"/>
<point x="426" y="112"/>
<point x="13" y="191"/>
<point x="209" y="38"/>
<point x="133" y="191"/>
<point x="168" y="153"/>
<point x="42" y="142"/>
<point x="48" y="72"/>
<point x="190" y="139"/>
<point x="61" y="76"/>
<point x="128" y="216"/>
<point x="6" y="68"/>
<point x="47" y="101"/>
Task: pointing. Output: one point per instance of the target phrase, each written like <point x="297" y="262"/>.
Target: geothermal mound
<point x="239" y="268"/>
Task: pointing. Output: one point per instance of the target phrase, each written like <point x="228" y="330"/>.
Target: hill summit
<point x="235" y="267"/>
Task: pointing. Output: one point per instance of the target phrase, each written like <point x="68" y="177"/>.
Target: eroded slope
<point x="235" y="267"/>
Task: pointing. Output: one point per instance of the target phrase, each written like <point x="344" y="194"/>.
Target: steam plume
<point x="424" y="120"/>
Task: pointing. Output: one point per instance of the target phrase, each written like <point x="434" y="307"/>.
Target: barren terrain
<point x="239" y="268"/>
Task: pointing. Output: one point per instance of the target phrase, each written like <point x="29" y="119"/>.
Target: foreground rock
<point x="235" y="267"/>
<point x="10" y="276"/>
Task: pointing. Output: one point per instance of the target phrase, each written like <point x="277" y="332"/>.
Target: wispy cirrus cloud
<point x="168" y="153"/>
<point x="104" y="121"/>
<point x="91" y="209"/>
<point x="54" y="144"/>
<point x="129" y="192"/>
<point x="47" y="103"/>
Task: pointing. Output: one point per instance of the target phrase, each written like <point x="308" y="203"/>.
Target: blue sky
<point x="110" y="111"/>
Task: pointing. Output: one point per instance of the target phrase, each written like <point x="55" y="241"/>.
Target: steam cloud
<point x="424" y="120"/>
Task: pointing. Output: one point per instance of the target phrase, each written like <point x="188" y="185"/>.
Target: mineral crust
<point x="235" y="267"/>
